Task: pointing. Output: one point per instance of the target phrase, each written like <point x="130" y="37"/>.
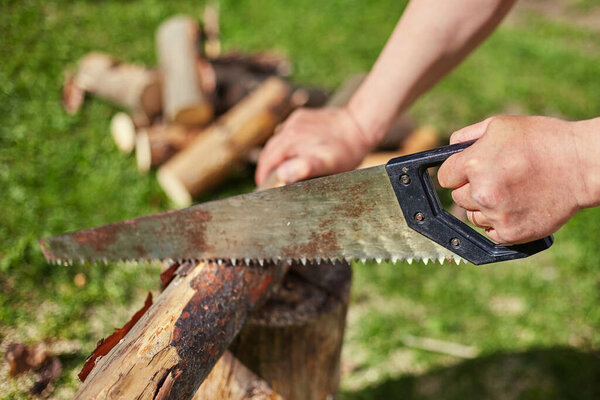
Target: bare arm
<point x="430" y="39"/>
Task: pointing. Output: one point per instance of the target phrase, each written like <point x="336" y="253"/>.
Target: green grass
<point x="536" y="322"/>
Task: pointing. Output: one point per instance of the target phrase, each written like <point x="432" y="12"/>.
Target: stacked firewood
<point x="200" y="113"/>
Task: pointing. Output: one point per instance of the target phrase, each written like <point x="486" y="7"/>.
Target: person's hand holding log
<point x="300" y="151"/>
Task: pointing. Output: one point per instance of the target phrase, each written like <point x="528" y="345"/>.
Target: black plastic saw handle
<point x="423" y="212"/>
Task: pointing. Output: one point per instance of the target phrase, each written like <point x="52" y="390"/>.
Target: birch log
<point x="129" y="85"/>
<point x="177" y="48"/>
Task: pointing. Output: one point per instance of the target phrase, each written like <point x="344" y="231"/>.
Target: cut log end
<point x="174" y="188"/>
<point x="143" y="155"/>
<point x="194" y="116"/>
<point x="122" y="130"/>
<point x="151" y="98"/>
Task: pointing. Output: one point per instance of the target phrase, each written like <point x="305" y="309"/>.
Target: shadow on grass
<point x="548" y="373"/>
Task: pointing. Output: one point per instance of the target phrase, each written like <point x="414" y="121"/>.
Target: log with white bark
<point x="177" y="49"/>
<point x="131" y="86"/>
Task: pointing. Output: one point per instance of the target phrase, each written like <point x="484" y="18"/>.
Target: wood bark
<point x="207" y="160"/>
<point x="176" y="343"/>
<point x="294" y="341"/>
<point x="131" y="86"/>
<point x="183" y="99"/>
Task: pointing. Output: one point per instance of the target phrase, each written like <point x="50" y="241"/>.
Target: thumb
<point x="470" y="132"/>
<point x="293" y="170"/>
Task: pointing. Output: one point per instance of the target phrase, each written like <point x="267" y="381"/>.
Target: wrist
<point x="371" y="125"/>
<point x="362" y="139"/>
<point x="587" y="149"/>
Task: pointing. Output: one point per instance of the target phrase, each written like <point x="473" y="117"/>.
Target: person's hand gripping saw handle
<point x="524" y="177"/>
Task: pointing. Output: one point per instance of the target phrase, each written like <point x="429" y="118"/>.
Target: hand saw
<point x="387" y="212"/>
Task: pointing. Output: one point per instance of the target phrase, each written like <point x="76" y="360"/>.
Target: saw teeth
<point x="441" y="260"/>
<point x="425" y="261"/>
<point x="409" y="260"/>
<point x="261" y="262"/>
<point x="303" y="261"/>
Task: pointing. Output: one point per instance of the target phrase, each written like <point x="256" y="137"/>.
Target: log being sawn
<point x="176" y="343"/>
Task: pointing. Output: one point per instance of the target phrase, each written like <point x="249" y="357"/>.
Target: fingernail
<point x="286" y="173"/>
<point x="292" y="171"/>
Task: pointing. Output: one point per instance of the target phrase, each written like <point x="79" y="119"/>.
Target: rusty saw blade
<point x="353" y="215"/>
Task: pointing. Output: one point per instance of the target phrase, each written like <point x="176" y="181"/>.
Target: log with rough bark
<point x="294" y="341"/>
<point x="177" y="49"/>
<point x="131" y="86"/>
<point x="235" y="80"/>
<point x="176" y="343"/>
<point x="208" y="159"/>
<point x="266" y="62"/>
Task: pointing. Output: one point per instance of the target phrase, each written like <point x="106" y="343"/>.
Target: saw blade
<point x="353" y="215"/>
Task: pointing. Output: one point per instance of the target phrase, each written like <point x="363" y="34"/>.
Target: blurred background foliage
<point x="535" y="322"/>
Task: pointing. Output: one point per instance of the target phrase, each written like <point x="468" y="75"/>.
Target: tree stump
<point x="294" y="341"/>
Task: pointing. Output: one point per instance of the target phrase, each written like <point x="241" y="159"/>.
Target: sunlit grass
<point x="61" y="172"/>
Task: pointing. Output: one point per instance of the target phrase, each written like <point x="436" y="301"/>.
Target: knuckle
<point x="471" y="165"/>
<point x="489" y="196"/>
<point x="501" y="122"/>
<point x="456" y="196"/>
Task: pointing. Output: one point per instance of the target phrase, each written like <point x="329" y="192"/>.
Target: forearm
<point x="430" y="39"/>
